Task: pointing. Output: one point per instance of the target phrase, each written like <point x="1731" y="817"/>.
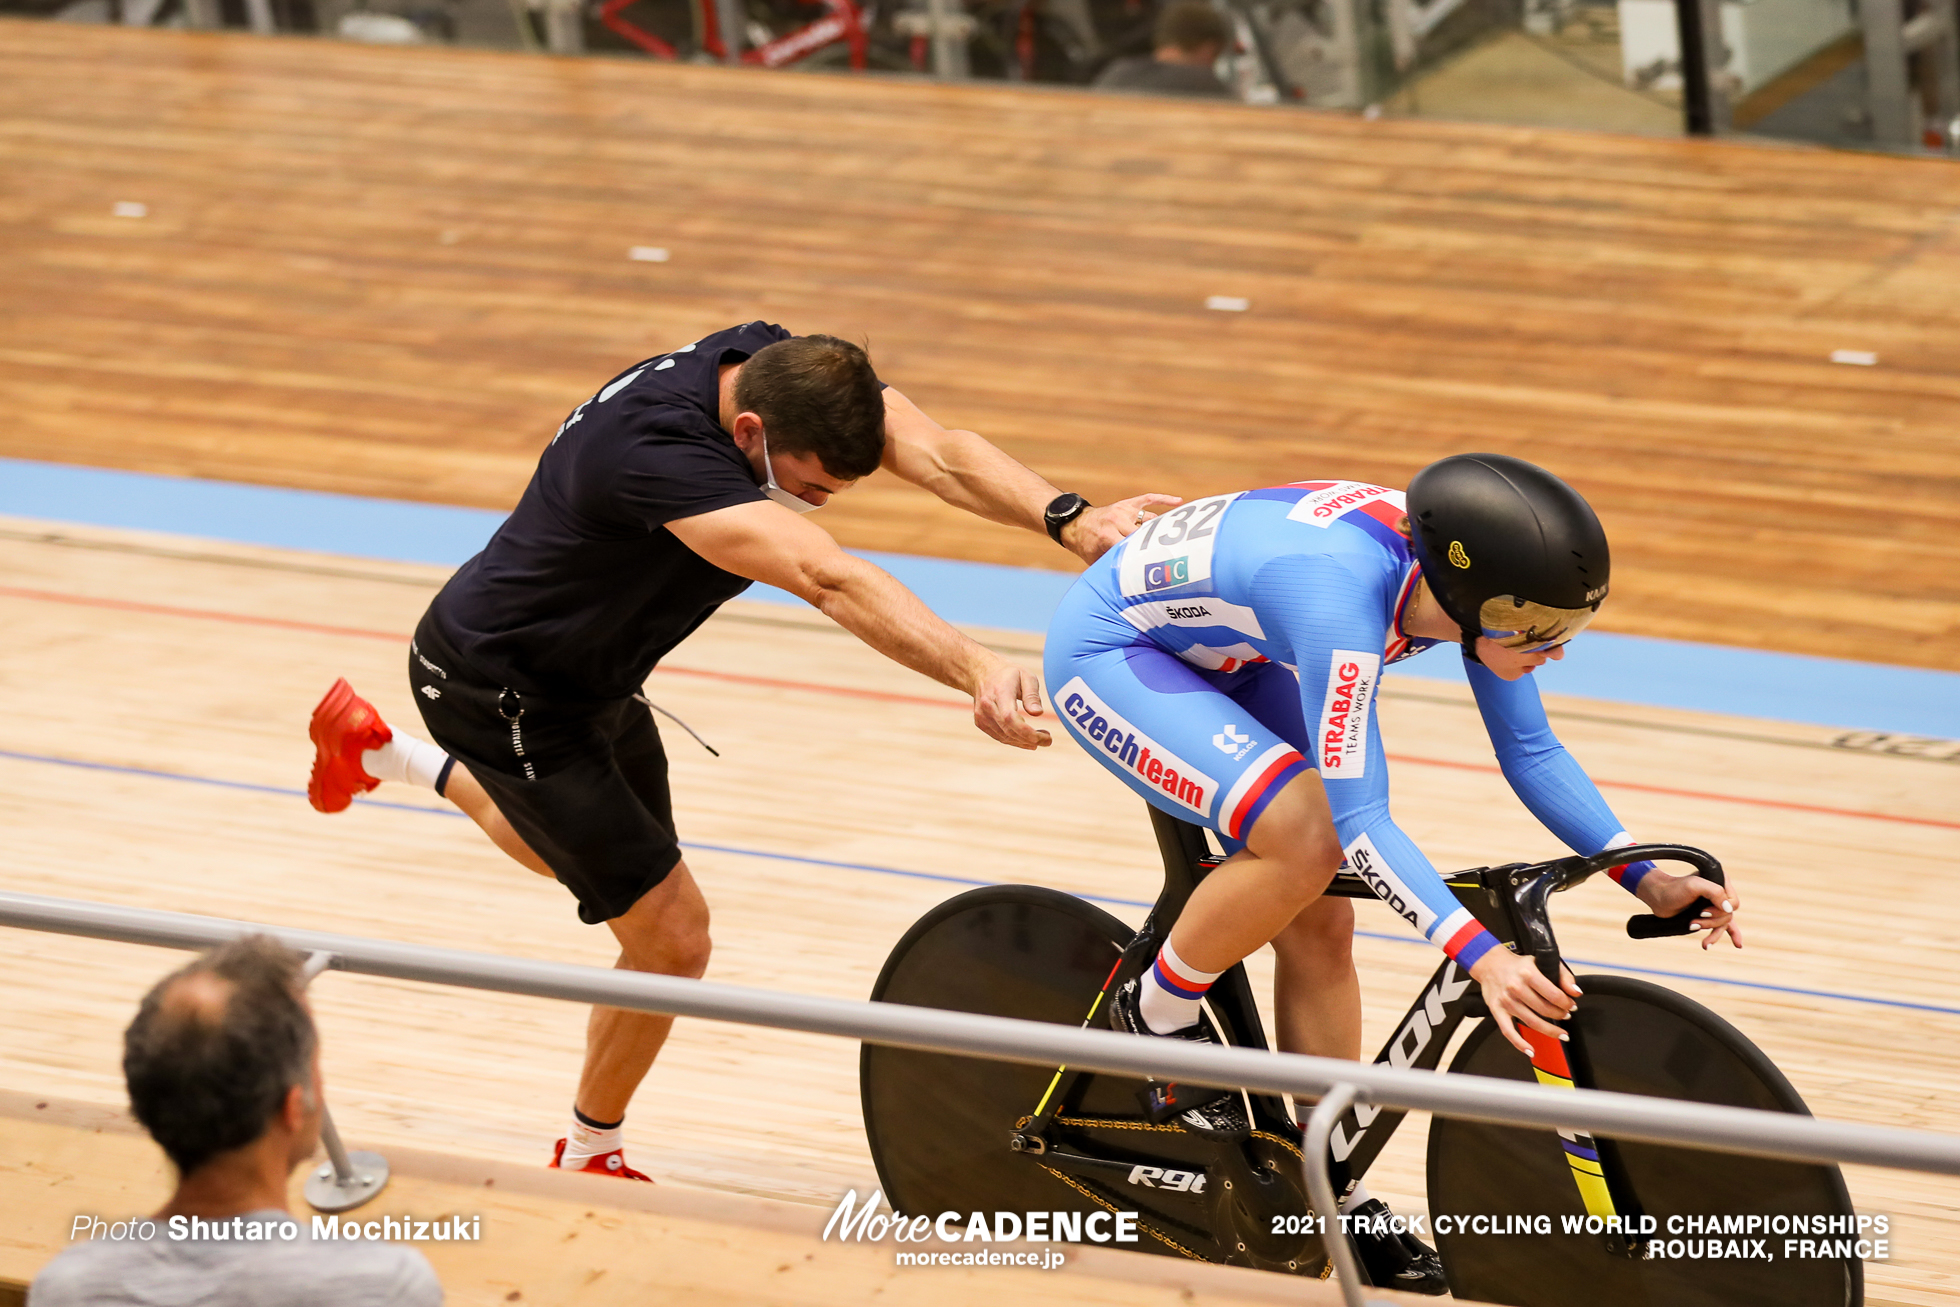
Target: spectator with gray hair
<point x="1191" y="35"/>
<point x="223" y="1067"/>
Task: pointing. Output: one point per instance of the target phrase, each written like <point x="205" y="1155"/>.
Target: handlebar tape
<point x="1649" y="926"/>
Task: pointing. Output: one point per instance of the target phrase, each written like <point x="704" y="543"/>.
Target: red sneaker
<point x="344" y="725"/>
<point x="613" y="1163"/>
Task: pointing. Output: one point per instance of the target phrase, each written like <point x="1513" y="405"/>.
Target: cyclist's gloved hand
<point x="1667" y="895"/>
<point x="1516" y="992"/>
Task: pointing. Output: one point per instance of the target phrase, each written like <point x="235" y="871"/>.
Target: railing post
<point x="1320" y="1189"/>
<point x="1704" y="67"/>
<point x="348" y="1179"/>
<point x="732" y="22"/>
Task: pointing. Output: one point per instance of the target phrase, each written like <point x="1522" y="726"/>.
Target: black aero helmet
<point x="1509" y="550"/>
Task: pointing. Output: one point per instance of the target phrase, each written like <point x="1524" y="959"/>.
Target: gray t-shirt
<point x="161" y="1272"/>
<point x="1146" y="74"/>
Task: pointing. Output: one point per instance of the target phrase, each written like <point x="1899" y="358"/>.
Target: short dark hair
<point x="817" y="395"/>
<point x="216" y="1047"/>
<point x="1189" y="24"/>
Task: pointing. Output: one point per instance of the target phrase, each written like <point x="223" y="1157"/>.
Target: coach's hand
<point x="1667" y="895"/>
<point x="1516" y="991"/>
<point x="1002" y="694"/>
<point x="1091" y="535"/>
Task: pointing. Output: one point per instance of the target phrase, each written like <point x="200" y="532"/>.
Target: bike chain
<point x="1085" y="1123"/>
<point x="1104" y="1203"/>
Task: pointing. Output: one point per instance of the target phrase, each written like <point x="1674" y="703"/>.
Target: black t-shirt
<point x="583" y="589"/>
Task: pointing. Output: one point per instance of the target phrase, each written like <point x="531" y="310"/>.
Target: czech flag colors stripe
<point x="1256" y="786"/>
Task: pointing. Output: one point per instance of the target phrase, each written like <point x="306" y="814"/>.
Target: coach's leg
<point x="463" y="790"/>
<point x="666" y="933"/>
<point x="1317" y="993"/>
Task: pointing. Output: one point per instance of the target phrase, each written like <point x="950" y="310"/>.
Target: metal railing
<point x="1334" y="1081"/>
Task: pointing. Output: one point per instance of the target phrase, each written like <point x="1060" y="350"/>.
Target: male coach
<point x="662" y="497"/>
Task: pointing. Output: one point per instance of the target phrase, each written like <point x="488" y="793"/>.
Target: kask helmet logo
<point x="1457" y="557"/>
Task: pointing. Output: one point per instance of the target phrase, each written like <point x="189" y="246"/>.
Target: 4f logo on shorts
<point x="1164" y="575"/>
<point x="1343" y="728"/>
<point x="1230" y="743"/>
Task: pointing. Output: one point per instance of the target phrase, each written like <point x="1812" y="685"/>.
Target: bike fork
<point x="1601" y="1178"/>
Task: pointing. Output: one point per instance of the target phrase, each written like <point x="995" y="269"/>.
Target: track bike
<point x="951" y="1133"/>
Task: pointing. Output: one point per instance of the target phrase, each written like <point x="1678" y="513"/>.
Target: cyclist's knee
<point x="1297" y="833"/>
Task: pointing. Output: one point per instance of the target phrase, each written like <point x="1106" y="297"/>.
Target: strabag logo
<point x="1343" y="732"/>
<point x="1324" y="507"/>
<point x="1157" y="766"/>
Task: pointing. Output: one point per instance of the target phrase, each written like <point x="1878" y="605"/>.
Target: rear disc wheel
<point x="939" y="1124"/>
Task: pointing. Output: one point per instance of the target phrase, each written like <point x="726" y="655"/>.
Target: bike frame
<point x="1510" y="901"/>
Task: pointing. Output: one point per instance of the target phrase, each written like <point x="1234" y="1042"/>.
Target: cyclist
<point x="1224" y="661"/>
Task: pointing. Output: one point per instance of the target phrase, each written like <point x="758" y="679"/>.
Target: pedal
<point x="1161" y="1103"/>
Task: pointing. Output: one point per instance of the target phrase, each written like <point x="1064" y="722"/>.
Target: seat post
<point x="1183" y="848"/>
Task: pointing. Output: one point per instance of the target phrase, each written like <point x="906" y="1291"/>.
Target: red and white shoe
<point x="613" y="1163"/>
<point x="344" y="726"/>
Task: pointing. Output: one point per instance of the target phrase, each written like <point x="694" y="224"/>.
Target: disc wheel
<point x="939" y="1124"/>
<point x="1641" y="1039"/>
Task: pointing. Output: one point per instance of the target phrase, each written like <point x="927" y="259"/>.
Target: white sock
<point x="584" y="1142"/>
<point x="407" y="759"/>
<point x="1355" y="1199"/>
<point x="1171" y="991"/>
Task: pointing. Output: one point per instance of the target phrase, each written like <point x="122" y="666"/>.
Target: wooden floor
<point x="156" y="692"/>
<point x="392" y="272"/>
<point x="589" y="1241"/>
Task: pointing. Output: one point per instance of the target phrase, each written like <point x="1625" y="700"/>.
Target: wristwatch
<point x="1063" y="510"/>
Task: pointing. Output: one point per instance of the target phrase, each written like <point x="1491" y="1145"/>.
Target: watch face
<point x="1064" y="509"/>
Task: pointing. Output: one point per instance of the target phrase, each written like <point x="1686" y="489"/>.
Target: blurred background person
<point x="223" y="1067"/>
<point x="1190" y="37"/>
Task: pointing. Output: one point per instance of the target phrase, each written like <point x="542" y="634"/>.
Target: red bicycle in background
<point x="841" y="22"/>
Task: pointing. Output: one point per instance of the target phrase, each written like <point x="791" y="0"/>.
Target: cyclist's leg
<point x="1291" y="853"/>
<point x="1316" y="993"/>
<point x="1171" y="734"/>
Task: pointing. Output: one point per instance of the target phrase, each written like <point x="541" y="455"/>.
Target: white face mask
<point x="776" y="492"/>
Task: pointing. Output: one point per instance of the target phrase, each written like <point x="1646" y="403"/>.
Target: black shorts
<point x="583" y="781"/>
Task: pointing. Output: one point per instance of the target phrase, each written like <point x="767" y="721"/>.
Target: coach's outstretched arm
<point x="768" y="543"/>
<point x="967" y="472"/>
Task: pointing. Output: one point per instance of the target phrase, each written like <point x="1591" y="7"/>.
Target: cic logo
<point x="1170" y="572"/>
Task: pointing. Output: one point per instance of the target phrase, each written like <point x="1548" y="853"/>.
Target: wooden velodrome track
<point x="392" y="272"/>
<point x="157" y="692"/>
